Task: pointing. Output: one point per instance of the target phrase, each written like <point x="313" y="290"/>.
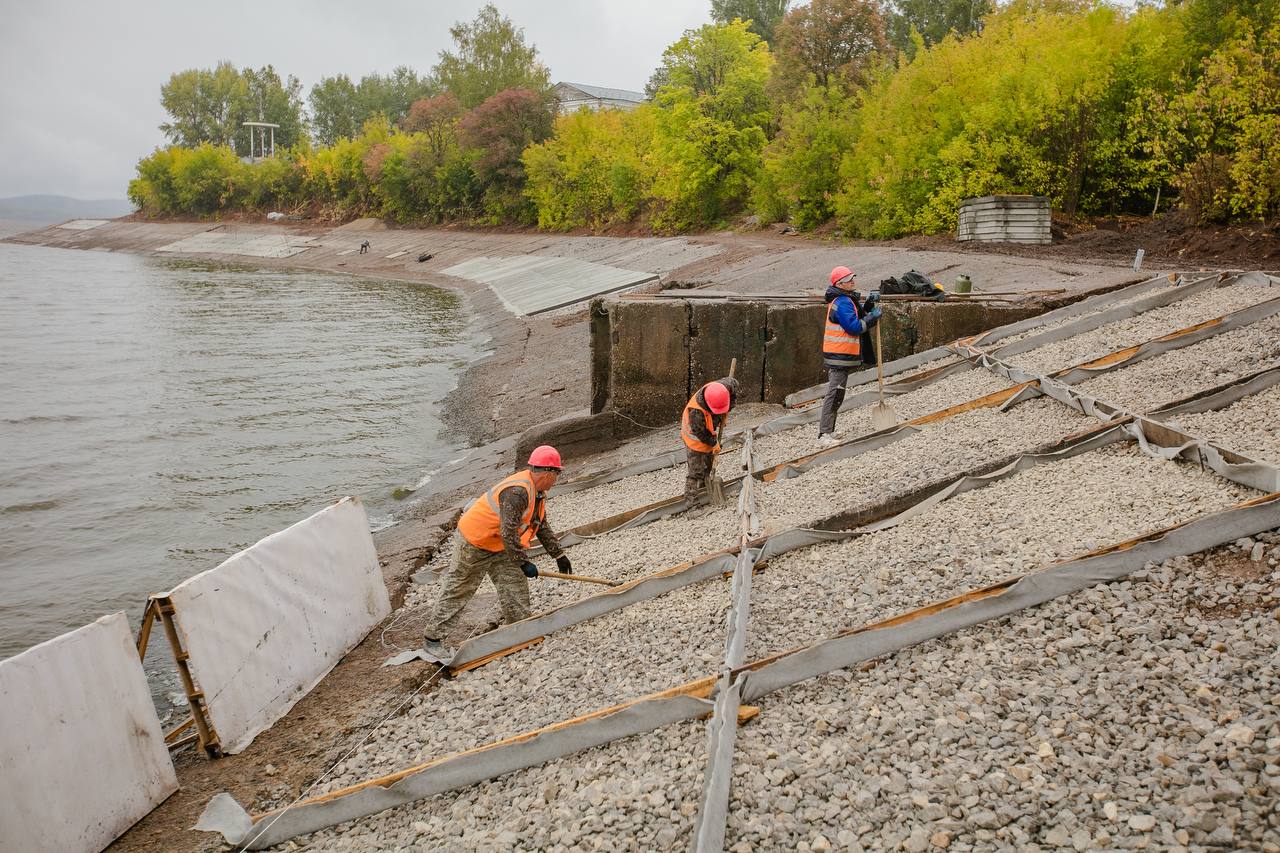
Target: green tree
<point x="270" y="99"/>
<point x="211" y="105"/>
<point x="205" y="105"/>
<point x="335" y="111"/>
<point x="802" y="164"/>
<point x="340" y="108"/>
<point x="595" y="171"/>
<point x="834" y="41"/>
<point x="711" y="123"/>
<point x="934" y="20"/>
<point x="762" y="15"/>
<point x="490" y="56"/>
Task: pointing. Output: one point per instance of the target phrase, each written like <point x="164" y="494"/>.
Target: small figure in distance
<point x="364" y="247"/>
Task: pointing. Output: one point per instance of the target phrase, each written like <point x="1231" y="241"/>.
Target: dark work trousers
<point x="695" y="480"/>
<point x="836" y="377"/>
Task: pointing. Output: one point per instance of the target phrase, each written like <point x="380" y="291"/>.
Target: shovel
<point x="883" y="416"/>
<point x="715" y="485"/>
<point x="561" y="576"/>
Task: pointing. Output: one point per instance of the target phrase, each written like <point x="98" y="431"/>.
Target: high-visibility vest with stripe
<point x="481" y="524"/>
<point x="837" y="344"/>
<point x="693" y="409"/>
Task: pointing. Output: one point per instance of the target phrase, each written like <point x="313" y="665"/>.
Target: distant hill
<point x="57" y="208"/>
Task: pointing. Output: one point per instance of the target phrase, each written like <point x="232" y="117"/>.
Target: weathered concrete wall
<point x="648" y="369"/>
<point x="720" y="332"/>
<point x="911" y="327"/>
<point x="649" y="355"/>
<point x="793" y="336"/>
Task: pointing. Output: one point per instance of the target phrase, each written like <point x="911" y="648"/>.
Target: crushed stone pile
<point x="1250" y="425"/>
<point x="1144" y="327"/>
<point x="978" y="538"/>
<point x="938" y="452"/>
<point x="962" y="387"/>
<point x="1144" y="713"/>
<point x="1215" y="361"/>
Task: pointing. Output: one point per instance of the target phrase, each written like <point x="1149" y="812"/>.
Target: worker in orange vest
<point x="700" y="424"/>
<point x="847" y="320"/>
<point x="490" y="541"/>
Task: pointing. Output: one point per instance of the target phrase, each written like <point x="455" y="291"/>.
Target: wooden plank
<point x="489" y="658"/>
<point x="149" y="616"/>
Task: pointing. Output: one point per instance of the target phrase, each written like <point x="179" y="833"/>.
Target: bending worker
<point x="846" y="322"/>
<point x="490" y="541"/>
<point x="700" y="424"/>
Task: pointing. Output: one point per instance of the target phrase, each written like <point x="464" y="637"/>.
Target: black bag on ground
<point x="912" y="283"/>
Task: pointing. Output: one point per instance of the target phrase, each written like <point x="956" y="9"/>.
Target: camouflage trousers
<point x="695" y="480"/>
<point x="471" y="565"/>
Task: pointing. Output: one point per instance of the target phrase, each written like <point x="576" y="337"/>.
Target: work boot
<point x="437" y="649"/>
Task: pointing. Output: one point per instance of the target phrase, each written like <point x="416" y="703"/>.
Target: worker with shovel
<point x="700" y="427"/>
<point x="490" y="542"/>
<point x="846" y="322"/>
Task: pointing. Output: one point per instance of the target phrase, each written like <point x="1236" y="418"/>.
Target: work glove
<point x="873" y="317"/>
<point x="529" y="569"/>
<point x="872" y="299"/>
<point x="563" y="564"/>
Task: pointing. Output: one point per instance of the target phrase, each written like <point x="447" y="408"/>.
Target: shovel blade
<point x="883" y="416"/>
<point x="715" y="491"/>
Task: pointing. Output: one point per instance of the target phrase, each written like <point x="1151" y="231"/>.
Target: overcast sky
<point x="80" y="97"/>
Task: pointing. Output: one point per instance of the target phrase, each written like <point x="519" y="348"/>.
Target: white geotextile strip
<point x="1222" y="397"/>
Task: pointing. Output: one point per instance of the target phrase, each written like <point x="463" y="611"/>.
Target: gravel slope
<point x="1029" y="733"/>
<point x="977" y="538"/>
<point x="1251" y="425"/>
<point x="1180" y="373"/>
<point x="1144" y="327"/>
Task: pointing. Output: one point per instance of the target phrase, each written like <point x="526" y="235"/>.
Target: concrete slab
<point x="531" y="284"/>
<point x="246" y="244"/>
<point x="83" y="224"/>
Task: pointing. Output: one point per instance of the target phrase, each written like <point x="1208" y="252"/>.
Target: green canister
<point x="963" y="284"/>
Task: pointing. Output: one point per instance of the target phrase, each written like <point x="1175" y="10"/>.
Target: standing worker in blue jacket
<point x="845" y="323"/>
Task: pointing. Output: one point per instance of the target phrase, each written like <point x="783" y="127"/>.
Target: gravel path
<point x="1144" y="327"/>
<point x="1180" y="373"/>
<point x="639" y="794"/>
<point x="1251" y="425"/>
<point x="977" y="538"/>
<point x="941" y="450"/>
<point x="1029" y="733"/>
<point x="783" y="446"/>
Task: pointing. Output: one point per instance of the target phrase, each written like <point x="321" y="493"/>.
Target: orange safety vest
<point x="481" y="524"/>
<point x="691" y="441"/>
<point x="837" y="344"/>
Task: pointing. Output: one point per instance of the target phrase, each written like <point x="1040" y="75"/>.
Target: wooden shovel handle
<point x="879" y="365"/>
<point x="579" y="578"/>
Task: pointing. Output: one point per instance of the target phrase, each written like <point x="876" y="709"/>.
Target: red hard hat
<point x="839" y="273"/>
<point x="545" y="456"/>
<point x="717" y="398"/>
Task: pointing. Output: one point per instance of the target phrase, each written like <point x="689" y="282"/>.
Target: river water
<point x="157" y="416"/>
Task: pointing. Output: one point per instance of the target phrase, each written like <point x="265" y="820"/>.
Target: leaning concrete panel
<point x="82" y="756"/>
<point x="722" y="331"/>
<point x="649" y="370"/>
<point x="529" y="284"/>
